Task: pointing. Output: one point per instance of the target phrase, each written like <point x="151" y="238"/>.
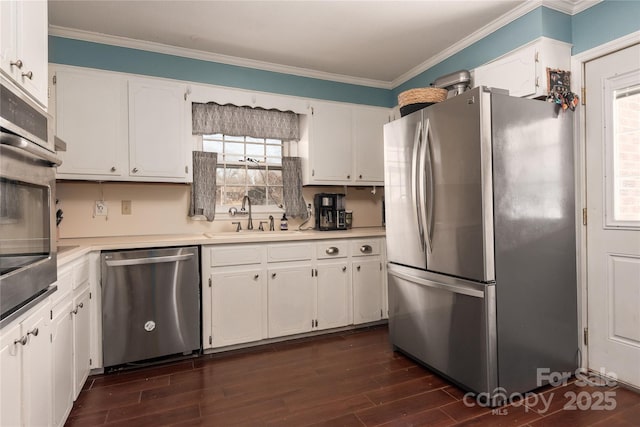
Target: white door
<point x="613" y="211"/>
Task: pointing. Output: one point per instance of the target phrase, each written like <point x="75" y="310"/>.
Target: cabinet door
<point x="156" y="130"/>
<point x="8" y="34"/>
<point x="62" y="362"/>
<point x="330" y="144"/>
<point x="333" y="295"/>
<point x="32" y="43"/>
<point x="367" y="289"/>
<point x="238" y="303"/>
<point x="91" y="117"/>
<point x="515" y="72"/>
<point x="368" y="144"/>
<point x="291" y="300"/>
<point x="10" y="373"/>
<point x="23" y="41"/>
<point x="81" y="339"/>
<point x="36" y="368"/>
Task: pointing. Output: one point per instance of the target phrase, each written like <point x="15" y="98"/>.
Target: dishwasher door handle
<point x="151" y="260"/>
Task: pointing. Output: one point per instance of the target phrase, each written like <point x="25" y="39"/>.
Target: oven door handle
<point x="12" y="140"/>
<point x="150" y="260"/>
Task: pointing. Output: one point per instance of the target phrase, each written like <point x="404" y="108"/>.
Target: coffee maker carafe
<point x="329" y="210"/>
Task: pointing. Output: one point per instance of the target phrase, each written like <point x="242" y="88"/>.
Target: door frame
<point x="579" y="137"/>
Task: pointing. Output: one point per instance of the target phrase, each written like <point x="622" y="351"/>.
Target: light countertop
<point x="71" y="249"/>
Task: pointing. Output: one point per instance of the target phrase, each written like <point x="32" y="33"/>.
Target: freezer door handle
<point x="151" y="260"/>
<point x="416" y="200"/>
<point x="457" y="288"/>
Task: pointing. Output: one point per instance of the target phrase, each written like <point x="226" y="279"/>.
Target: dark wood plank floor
<point x="344" y="379"/>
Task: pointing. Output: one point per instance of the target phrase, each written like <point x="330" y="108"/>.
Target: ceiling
<point x="377" y="42"/>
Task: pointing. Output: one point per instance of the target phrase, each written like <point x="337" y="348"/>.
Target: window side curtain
<point x="232" y="120"/>
<point x="203" y="188"/>
<point x="294" y="203"/>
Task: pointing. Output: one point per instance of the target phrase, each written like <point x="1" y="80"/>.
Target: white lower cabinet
<point x="238" y="299"/>
<point x="368" y="280"/>
<point x="25" y="369"/>
<point x="291" y="299"/>
<point x="259" y="291"/>
<point x="367" y="290"/>
<point x="333" y="294"/>
<point x="81" y="338"/>
<point x="70" y="338"/>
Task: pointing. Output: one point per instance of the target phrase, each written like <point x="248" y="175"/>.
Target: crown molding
<point x="566" y="6"/>
<point x="90" y="36"/>
<point x="570" y="7"/>
<point x="503" y="20"/>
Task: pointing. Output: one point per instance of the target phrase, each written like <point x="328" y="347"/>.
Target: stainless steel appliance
<point x="479" y="196"/>
<point x="330" y="211"/>
<point x="150" y="304"/>
<point x="455" y="83"/>
<point x="27" y="191"/>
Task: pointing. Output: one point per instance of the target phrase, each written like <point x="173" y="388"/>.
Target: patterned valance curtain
<point x="232" y="120"/>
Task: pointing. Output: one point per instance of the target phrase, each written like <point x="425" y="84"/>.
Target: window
<point x="247" y="165"/>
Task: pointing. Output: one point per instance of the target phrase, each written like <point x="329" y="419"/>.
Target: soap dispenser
<point x="284" y="223"/>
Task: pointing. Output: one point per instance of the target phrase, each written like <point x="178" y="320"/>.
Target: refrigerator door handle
<point x="457" y="288"/>
<point x="415" y="186"/>
<point x="432" y="190"/>
<point x="424" y="211"/>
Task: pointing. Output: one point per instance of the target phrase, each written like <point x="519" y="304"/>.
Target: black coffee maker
<point x="329" y="210"/>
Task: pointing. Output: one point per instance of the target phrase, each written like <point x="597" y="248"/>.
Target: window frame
<point x="223" y="209"/>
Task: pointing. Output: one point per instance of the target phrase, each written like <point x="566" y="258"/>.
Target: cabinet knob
<point x="17" y="63"/>
<point x="134" y="170"/>
<point x="256" y="277"/>
<point x="332" y="250"/>
<point x="366" y="249"/>
<point x="22" y="340"/>
<point x="81" y="305"/>
<point x="113" y="168"/>
<point x="33" y="332"/>
<point x="28" y="74"/>
<point x="273" y="275"/>
<point x="75" y="310"/>
<point x="344" y="268"/>
<point x="358" y="268"/>
<point x="360" y="176"/>
<point x="348" y="176"/>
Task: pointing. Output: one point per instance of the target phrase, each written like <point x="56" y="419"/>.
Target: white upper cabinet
<point x="523" y="72"/>
<point x="330" y="146"/>
<point x="24" y="45"/>
<point x="156" y="130"/>
<point x="121" y="128"/>
<point x="342" y="144"/>
<point x="91" y="119"/>
<point x="368" y="144"/>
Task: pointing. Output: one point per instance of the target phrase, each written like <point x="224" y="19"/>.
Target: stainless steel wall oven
<point x="27" y="193"/>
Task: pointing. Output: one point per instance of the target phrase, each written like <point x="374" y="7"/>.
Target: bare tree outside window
<point x="247" y="165"/>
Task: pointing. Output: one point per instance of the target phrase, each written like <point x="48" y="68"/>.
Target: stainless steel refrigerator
<point x="480" y="221"/>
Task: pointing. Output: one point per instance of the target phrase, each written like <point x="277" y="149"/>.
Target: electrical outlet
<point x="126" y="207"/>
<point x="100" y="208"/>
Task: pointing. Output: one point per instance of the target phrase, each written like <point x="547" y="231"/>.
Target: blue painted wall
<point x="597" y="25"/>
<point x="603" y="23"/>
<point x="114" y="58"/>
<point x="539" y="22"/>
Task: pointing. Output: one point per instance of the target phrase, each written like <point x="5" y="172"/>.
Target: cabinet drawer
<point x="365" y="247"/>
<point x="332" y="249"/>
<point x="290" y="252"/>
<point x="80" y="273"/>
<point x="222" y="256"/>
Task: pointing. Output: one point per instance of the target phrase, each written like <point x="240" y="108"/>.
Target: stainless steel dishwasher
<point x="150" y="304"/>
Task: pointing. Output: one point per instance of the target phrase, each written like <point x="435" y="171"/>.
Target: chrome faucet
<point x="250" y="221"/>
